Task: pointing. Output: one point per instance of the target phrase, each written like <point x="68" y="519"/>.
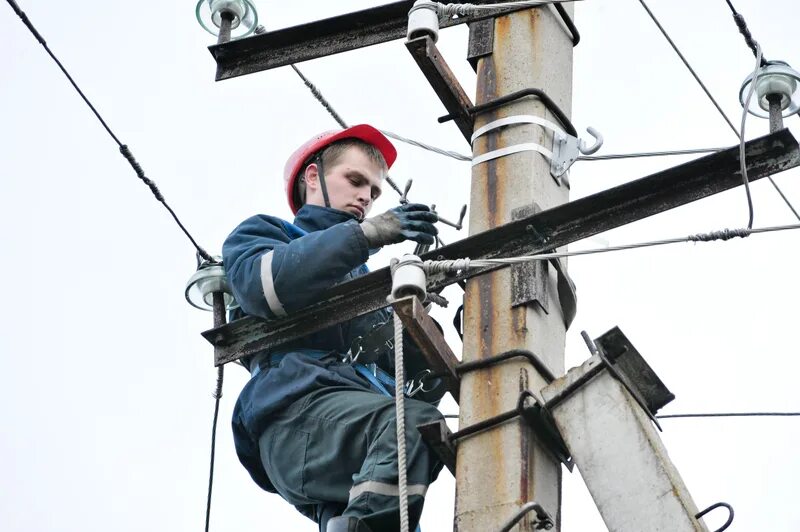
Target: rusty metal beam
<point x="322" y="38"/>
<point x="444" y="82"/>
<point x="430" y="341"/>
<point x="438" y="437"/>
<point x="540" y="232"/>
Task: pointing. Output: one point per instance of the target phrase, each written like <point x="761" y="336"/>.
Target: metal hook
<point x="714" y="507"/>
<point x="543" y="521"/>
<point x="598" y="142"/>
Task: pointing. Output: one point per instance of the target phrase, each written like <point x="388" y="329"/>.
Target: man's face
<point x="353" y="182"/>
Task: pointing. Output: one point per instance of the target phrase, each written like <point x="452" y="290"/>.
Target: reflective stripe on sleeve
<point x="268" y="286"/>
<point x="382" y="488"/>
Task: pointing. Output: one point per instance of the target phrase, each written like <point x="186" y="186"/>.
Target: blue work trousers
<point x="337" y="448"/>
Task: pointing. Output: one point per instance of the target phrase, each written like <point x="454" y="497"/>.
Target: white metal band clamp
<point x="564" y="152"/>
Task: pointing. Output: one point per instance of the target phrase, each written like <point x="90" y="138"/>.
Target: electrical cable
<point x="217" y="397"/>
<point x="739" y="135"/>
<point x="745" y="31"/>
<point x="732" y="414"/>
<point x="466" y="9"/>
<point x="688" y="66"/>
<point x="433" y="267"/>
<point x="339" y="120"/>
<point x="124" y="150"/>
<point x="742" y="163"/>
<point x="715" y="414"/>
<point x="647" y="154"/>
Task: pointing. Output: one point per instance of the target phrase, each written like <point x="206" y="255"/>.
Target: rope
<point x="122" y="147"/>
<point x="399" y="399"/>
<point x="217" y="396"/>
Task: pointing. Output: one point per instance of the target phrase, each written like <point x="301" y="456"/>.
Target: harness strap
<point x="322" y="185"/>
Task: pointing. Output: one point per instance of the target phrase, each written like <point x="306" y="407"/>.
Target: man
<point x="308" y="425"/>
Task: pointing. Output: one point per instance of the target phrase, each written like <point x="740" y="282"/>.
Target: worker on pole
<point x="316" y="421"/>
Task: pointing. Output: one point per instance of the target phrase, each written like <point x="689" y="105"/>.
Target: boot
<point x="346" y="524"/>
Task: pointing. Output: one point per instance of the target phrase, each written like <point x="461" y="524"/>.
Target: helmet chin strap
<point x="322" y="184"/>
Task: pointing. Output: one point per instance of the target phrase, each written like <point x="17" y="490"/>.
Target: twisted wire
<point x="466" y="9"/>
<point x="431" y="267"/>
<point x="399" y="400"/>
<point x="217" y="396"/>
<point x="122" y="147"/>
<point x="745" y="31"/>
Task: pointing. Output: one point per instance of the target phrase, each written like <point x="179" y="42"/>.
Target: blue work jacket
<point x="274" y="268"/>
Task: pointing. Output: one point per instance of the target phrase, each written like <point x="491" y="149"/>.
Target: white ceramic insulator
<point x="408" y="278"/>
<point x="775" y="84"/>
<point x="423" y="19"/>
<point x="236" y="7"/>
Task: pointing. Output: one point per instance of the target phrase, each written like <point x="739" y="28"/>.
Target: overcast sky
<point x="107" y="405"/>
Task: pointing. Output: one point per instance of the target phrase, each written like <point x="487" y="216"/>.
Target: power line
<point x="124" y="150"/>
<point x="688" y="66"/>
<point x="339" y="120"/>
<point x="647" y="154"/>
<point x="432" y="266"/>
<point x="703" y="415"/>
<point x="731" y="414"/>
<point x="721" y="112"/>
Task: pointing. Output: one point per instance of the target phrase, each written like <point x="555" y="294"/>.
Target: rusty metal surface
<point x="430" y="341"/>
<point x="543" y="231"/>
<point x="529" y="279"/>
<point x="443" y="81"/>
<point x="634" y="371"/>
<point x="438" y="437"/>
<point x="481" y="40"/>
<point x="324" y="37"/>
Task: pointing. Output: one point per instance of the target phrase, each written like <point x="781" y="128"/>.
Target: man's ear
<point x="311" y="177"/>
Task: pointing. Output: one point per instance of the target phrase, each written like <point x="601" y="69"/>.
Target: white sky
<point x="107" y="394"/>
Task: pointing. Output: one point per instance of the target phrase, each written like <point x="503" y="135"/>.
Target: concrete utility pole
<point x="501" y="469"/>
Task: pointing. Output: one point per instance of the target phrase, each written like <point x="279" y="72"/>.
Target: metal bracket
<point x="566" y="150"/>
<point x="536" y="416"/>
<point x="543" y="521"/>
<point x="626" y="365"/>
<point x="437" y="436"/>
<point x="714" y="507"/>
<point x="556" y="227"/>
<point x="443" y="81"/>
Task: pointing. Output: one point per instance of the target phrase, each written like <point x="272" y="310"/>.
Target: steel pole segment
<point x="552" y="228"/>
<point x="499" y="470"/>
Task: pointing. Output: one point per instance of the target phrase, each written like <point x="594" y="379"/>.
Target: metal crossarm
<point x="540" y="232"/>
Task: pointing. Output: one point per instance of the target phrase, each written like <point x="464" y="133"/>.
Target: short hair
<point x="331" y="155"/>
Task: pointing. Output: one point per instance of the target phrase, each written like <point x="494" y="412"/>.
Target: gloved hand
<point x="412" y="221"/>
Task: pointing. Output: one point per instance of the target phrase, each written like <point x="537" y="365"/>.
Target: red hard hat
<point x="301" y="155"/>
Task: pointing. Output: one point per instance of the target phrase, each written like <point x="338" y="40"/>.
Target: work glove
<point x="412" y="221"/>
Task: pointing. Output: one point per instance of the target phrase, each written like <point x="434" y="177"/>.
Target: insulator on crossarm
<point x="423" y="20"/>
